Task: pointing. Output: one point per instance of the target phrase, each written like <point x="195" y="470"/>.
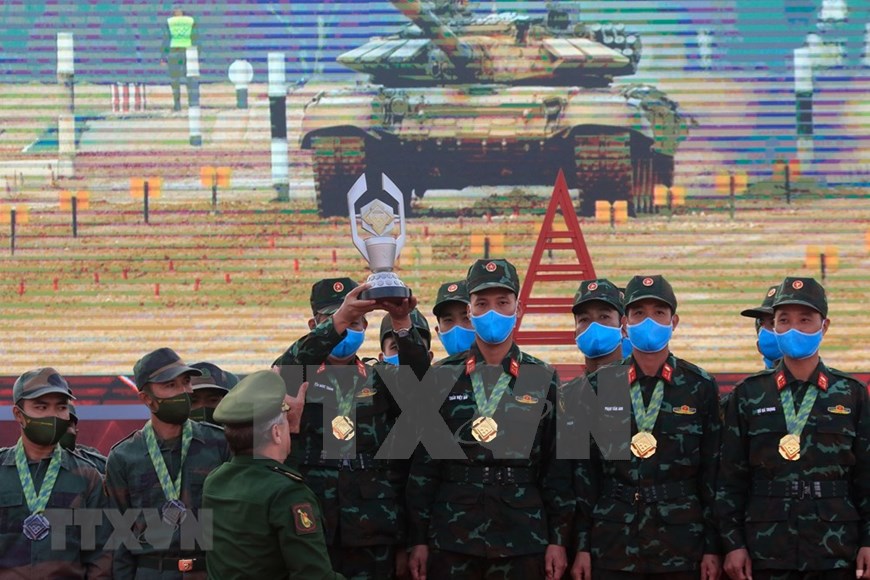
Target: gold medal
<point x="342" y="428"/>
<point x="790" y="447"/>
<point x="484" y="429"/>
<point x="643" y="444"/>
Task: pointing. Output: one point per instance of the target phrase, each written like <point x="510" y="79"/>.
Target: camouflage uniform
<point x="360" y="497"/>
<point x="267" y="522"/>
<point x="132" y="483"/>
<point x="654" y="516"/>
<point x="807" y="515"/>
<point x="78" y="486"/>
<point x="491" y="515"/>
<point x="89" y="454"/>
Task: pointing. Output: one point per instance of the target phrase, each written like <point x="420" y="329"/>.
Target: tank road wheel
<point x="603" y="169"/>
<point x="338" y="162"/>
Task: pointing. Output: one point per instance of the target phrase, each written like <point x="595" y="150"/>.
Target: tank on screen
<point x="457" y="99"/>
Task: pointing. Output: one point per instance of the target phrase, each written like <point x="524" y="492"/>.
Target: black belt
<point x="650" y="493"/>
<point x="801" y="489"/>
<point x="359" y="462"/>
<point x="173" y="564"/>
<point x="490" y="474"/>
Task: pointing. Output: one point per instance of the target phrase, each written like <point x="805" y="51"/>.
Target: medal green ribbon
<point x="345" y="401"/>
<point x="795" y="422"/>
<point x="36" y="503"/>
<point x="487" y="406"/>
<point x="171" y="489"/>
<point x="645" y="417"/>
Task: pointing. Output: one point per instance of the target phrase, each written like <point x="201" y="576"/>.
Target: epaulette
<point x="124" y="439"/>
<point x="292" y="476"/>
<point x="526" y="358"/>
<point x="693" y="368"/>
<point x="843" y="375"/>
<point x="86" y="457"/>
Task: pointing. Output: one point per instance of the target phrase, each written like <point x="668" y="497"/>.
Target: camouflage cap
<point x="485" y="274"/>
<point x="766" y="308"/>
<point x="259" y="395"/>
<point x="451" y="292"/>
<point x="213" y="377"/>
<point x="804" y="291"/>
<point x="600" y="289"/>
<point x="656" y="287"/>
<point x="160" y="366"/>
<point x="38" y="382"/>
<point x="417" y="319"/>
<point x="328" y="294"/>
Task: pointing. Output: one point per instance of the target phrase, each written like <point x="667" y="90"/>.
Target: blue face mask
<point x="649" y="335"/>
<point x="626" y="347"/>
<point x="768" y="346"/>
<point x="349" y="344"/>
<point x="493" y="327"/>
<point x="457" y="339"/>
<point x="392" y="359"/>
<point x="598" y="340"/>
<point x="797" y="345"/>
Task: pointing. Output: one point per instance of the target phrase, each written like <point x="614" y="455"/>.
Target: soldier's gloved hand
<point x="711" y="567"/>
<point x="862" y="568"/>
<point x="738" y="565"/>
<point x="400" y="312"/>
<point x="582" y="568"/>
<point x="418" y="560"/>
<point x="352" y="309"/>
<point x="555" y="562"/>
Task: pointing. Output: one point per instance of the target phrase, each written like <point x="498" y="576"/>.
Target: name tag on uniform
<point x="322" y="386"/>
<point x="614" y="409"/>
<point x="461" y="397"/>
<point x="764" y="410"/>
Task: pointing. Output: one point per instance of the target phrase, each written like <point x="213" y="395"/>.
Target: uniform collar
<point x="360" y="367"/>
<point x="666" y="372"/>
<point x="196" y="434"/>
<point x="820" y="377"/>
<point x="266" y="461"/>
<point x="67" y="460"/>
<point x="510" y="363"/>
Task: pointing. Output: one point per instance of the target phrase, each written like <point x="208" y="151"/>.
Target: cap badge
<point x="592" y="287"/>
<point x="452" y="288"/>
<point x="490" y="267"/>
<point x="771" y="292"/>
<point x="797" y="284"/>
<point x="337" y="287"/>
<point x="648" y="282"/>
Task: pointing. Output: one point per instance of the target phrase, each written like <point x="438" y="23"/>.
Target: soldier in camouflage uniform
<point x="160" y="470"/>
<point x="652" y="516"/>
<point x="208" y="390"/>
<point x="360" y="496"/>
<point x="497" y="512"/>
<point x="794" y="485"/>
<point x="389" y="346"/>
<point x="451" y="312"/>
<point x="766" y="342"/>
<point x="68" y="442"/>
<point x="267" y="522"/>
<point x="39" y="482"/>
<point x="598" y="315"/>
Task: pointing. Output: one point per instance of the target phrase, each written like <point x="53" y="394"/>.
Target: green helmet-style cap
<point x="766" y="308"/>
<point x="640" y="287"/>
<point x="38" y="382"/>
<point x="599" y="289"/>
<point x="160" y="366"/>
<point x="485" y="274"/>
<point x="450" y="292"/>
<point x="804" y="291"/>
<point x="328" y="294"/>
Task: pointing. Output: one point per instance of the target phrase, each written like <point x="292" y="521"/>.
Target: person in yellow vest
<point x="179" y="35"/>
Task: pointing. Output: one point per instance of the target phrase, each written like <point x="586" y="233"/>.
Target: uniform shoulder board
<point x="83" y="456"/>
<point x="694" y="369"/>
<point x="843" y="375"/>
<point x="131" y="435"/>
<point x="292" y="476"/>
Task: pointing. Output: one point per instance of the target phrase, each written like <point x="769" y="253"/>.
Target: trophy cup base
<point x="393" y="293"/>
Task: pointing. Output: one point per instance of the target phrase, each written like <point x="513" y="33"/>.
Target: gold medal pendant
<point x="484" y="429"/>
<point x="342" y="428"/>
<point x="790" y="447"/>
<point x="643" y="444"/>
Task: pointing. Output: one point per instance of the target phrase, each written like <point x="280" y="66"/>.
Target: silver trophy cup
<point x="379" y="248"/>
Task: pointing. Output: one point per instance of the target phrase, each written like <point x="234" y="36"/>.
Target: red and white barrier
<point x="128" y="97"/>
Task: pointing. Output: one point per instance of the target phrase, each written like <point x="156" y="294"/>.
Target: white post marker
<point x="803" y="93"/>
<point x="66" y="124"/>
<point x="241" y="73"/>
<point x="194" y="113"/>
<point x="278" y="118"/>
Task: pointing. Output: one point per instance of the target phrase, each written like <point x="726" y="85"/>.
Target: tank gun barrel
<point x="441" y="35"/>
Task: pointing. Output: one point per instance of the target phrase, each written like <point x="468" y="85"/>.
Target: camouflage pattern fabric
<point x="444" y="564"/>
<point x="493" y="520"/>
<point x="803" y="533"/>
<point x="672" y="534"/>
<point x="366" y="563"/>
<point x="78" y="485"/>
<point x="92" y="456"/>
<point x="132" y="483"/>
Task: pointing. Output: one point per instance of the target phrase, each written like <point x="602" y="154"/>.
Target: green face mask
<point x="174" y="410"/>
<point x="68" y="441"/>
<point x="44" y="430"/>
<point x="203" y="414"/>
